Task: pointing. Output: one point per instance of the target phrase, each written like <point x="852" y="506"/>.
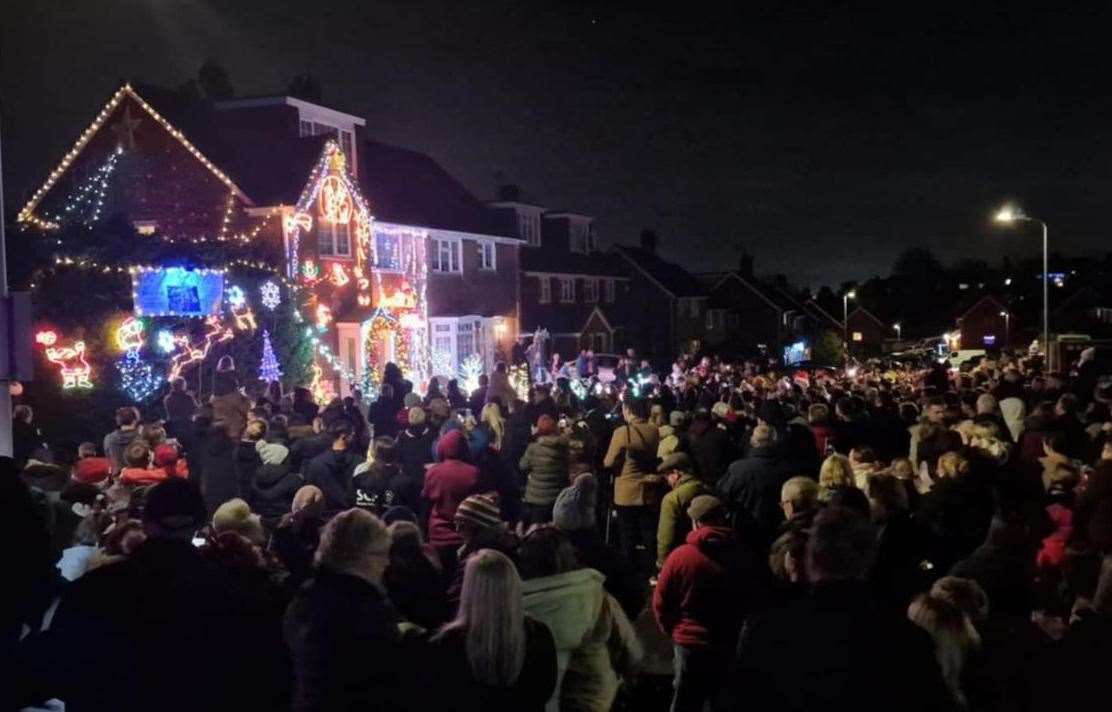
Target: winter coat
<point x="634" y="445"/>
<point x="592" y="637"/>
<point x="272" y="492"/>
<point x="414" y="445"/>
<point x="247" y="462"/>
<point x="836" y="648"/>
<point x="331" y="471"/>
<point x="515" y="440"/>
<point x="294" y="543"/>
<point x="897" y="573"/>
<point x="336" y="624"/>
<point x="500" y="390"/>
<point x="447" y="484"/>
<point x="115" y="443"/>
<point x="712" y="451"/>
<point x="545" y="466"/>
<point x="622" y="580"/>
<point x="383" y="416"/>
<point x="824" y="437"/>
<point x="231" y="409"/>
<point x="304" y="449"/>
<point x="496" y="475"/>
<point x="217" y="465"/>
<point x="415" y="584"/>
<point x="751" y="488"/>
<point x="956" y="513"/>
<point x="707" y="588"/>
<point x="674" y="524"/>
<point x="1053" y="550"/>
<point x="384" y="485"/>
<point x="454" y="688"/>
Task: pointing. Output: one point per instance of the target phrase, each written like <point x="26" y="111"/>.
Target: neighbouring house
<point x="567" y="286"/>
<point x="866" y="333"/>
<point x="666" y="309"/>
<point x="984" y="325"/>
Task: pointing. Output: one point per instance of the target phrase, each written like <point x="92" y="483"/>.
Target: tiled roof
<point x="673" y="278"/>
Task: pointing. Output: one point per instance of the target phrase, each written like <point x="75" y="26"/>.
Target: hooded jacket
<point x="384" y="485"/>
<point x="447" y="484"/>
<point x="674" y="524"/>
<point x="669" y="441"/>
<point x="707" y="588"/>
<point x="272" y="491"/>
<point x="414" y="450"/>
<point x="752" y="487"/>
<point x="545" y="465"/>
<point x="592" y="635"/>
<point x="331" y="471"/>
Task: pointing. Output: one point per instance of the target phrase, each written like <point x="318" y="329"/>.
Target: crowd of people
<point x="874" y="538"/>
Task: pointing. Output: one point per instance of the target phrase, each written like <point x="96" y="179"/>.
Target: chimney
<point x="745" y="265"/>
<point x="648" y="241"/>
<point x="509" y="193"/>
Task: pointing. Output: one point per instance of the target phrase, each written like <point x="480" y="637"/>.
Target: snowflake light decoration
<point x="270" y="295"/>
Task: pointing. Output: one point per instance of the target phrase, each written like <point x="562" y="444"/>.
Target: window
<point x="590" y="291"/>
<point x="577" y="236"/>
<point x="442" y="341"/>
<point x="858" y="336"/>
<point x="305" y="128"/>
<point x="346" y="144"/>
<point x="333" y="239"/>
<point x="590" y="237"/>
<point x="690" y="308"/>
<point x="487" y="260"/>
<point x="710" y="320"/>
<point x="446" y="256"/>
<point x="465" y="341"/>
<point x="609" y="287"/>
<point x="546" y="291"/>
<point x="530" y="229"/>
<point x="567" y="290"/>
<point x="388" y="252"/>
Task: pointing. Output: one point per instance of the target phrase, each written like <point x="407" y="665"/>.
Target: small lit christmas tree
<point x="269" y="370"/>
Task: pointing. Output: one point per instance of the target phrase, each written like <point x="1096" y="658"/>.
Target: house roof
<point x="767" y="294"/>
<point x="668" y="276"/>
<point x="554" y="261"/>
<point x="987" y="298"/>
<point x="867" y="314"/>
<point x="819" y="314"/>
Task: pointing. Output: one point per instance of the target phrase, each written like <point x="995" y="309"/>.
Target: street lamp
<point x="899" y="334"/>
<point x="1009" y="215"/>
<point x="1007" y="332"/>
<point x="851" y="294"/>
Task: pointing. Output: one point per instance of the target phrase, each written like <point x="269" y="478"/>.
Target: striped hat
<point x="481" y="510"/>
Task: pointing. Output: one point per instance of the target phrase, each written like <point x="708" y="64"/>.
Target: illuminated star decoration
<point x="137" y="379"/>
<point x="270" y="295"/>
<point x="125" y="129"/>
<point x="166" y="342"/>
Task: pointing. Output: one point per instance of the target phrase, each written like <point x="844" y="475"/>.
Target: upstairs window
<point x="333" y="239"/>
<point x="567" y="290"/>
<point x="609" y="291"/>
<point x="590" y="291"/>
<point x="546" y="291"/>
<point x="487" y="255"/>
<point x="446" y="256"/>
<point x="577" y="237"/>
<point x="529" y="229"/>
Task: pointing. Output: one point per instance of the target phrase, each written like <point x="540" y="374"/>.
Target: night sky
<point x="823" y="141"/>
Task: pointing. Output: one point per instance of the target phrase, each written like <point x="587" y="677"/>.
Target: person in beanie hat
<point x="414" y="445"/>
<point x="670" y="434"/>
<point x="297" y="535"/>
<point x="480" y="525"/>
<point x="705" y="591"/>
<point x="679" y="472"/>
<point x="447" y="484"/>
<point x="545" y="467"/>
<point x="341" y="618"/>
<point x="574" y="509"/>
<point x="236" y="516"/>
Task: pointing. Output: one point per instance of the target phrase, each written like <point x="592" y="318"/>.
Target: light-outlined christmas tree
<point x="269" y="370"/>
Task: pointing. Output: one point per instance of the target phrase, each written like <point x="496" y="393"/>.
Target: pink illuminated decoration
<point x="129" y="335"/>
<point x="188" y="354"/>
<point x="76" y="371"/>
<point x="46" y="338"/>
<point x="335" y="200"/>
<point x="403" y="298"/>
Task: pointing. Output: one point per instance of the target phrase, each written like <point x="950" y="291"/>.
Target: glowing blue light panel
<point x="176" y="291"/>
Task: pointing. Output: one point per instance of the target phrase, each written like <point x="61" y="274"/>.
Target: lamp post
<point x="899" y="333"/>
<point x="851" y="294"/>
<point x="1009" y="215"/>
<point x="1007" y="330"/>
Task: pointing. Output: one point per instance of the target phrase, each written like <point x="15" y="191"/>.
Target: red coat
<point x="706" y="589"/>
<point x="447" y="484"/>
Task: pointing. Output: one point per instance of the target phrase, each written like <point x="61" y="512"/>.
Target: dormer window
<point x="580" y="237"/>
<point x="529" y="228"/>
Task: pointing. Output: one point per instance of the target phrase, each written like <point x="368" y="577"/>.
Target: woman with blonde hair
<point x="491" y="421"/>
<point x="952" y="465"/>
<point x="955" y="638"/>
<point x="836" y="472"/>
<point x="492" y="656"/>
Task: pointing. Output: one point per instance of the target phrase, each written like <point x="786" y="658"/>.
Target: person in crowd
<point x="273" y="488"/>
<point x="494" y="425"/>
<point x="595" y="642"/>
<point x="137" y="466"/>
<point x="901" y="563"/>
<point x="26" y="439"/>
<point x="492" y="656"/>
<point x="835" y="473"/>
<point x="447" y="484"/>
<point x="341" y="618"/>
<point x="229" y="405"/>
<point x="480" y="525"/>
<point x="670" y="434"/>
<point x="679" y="472"/>
<point x="836" y="647"/>
<point x="955" y="639"/>
<point x="247" y="456"/>
<point x="799" y="501"/>
<point x="933" y="416"/>
<point x="632" y="455"/>
<point x="751" y="487"/>
<point x="455" y="396"/>
<point x="116" y="442"/>
<point x="180" y="407"/>
<point x="415" y="445"/>
<point x="236" y="516"/>
<point x="709" y="443"/>
<point x="545" y="467"/>
<point x="478" y="397"/>
<point x="863" y="462"/>
<point x="818" y="418"/>
<point x="383" y="483"/>
<point x="500" y="390"/>
<point x="297" y="535"/>
<point x="384" y="413"/>
<point x="413" y="580"/>
<point x="331" y="471"/>
<point x="706" y="590"/>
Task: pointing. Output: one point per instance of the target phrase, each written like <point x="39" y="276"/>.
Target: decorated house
<point x="248" y="228"/>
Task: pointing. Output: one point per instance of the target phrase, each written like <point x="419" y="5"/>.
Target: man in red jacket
<point x="705" y="590"/>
